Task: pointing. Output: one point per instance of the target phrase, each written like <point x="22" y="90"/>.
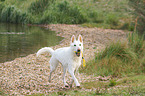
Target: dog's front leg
<point x="72" y="79"/>
<point x="71" y="71"/>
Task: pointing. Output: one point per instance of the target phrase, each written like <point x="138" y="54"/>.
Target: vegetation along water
<point x="91" y="13"/>
<point x="124" y="62"/>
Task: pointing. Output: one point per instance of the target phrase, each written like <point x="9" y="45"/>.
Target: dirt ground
<point x="28" y="75"/>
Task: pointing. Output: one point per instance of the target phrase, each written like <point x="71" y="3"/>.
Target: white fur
<point x="67" y="57"/>
<point x="45" y="49"/>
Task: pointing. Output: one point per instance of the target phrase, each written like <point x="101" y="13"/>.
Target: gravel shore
<point x="29" y="75"/>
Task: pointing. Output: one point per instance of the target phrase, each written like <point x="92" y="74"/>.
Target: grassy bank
<point x="91" y="13"/>
<point x="119" y="59"/>
<point x="124" y="62"/>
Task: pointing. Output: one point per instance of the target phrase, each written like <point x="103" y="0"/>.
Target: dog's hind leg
<point x="53" y="65"/>
<point x="71" y="83"/>
<point x="64" y="81"/>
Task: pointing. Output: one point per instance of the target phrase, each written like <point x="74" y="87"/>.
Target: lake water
<point x="22" y="40"/>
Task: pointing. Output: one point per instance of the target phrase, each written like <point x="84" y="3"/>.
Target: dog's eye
<point x="75" y="45"/>
<point x="79" y="44"/>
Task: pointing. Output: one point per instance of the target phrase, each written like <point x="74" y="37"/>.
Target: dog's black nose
<point x="79" y="50"/>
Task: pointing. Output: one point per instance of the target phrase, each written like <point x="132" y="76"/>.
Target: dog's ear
<point x="80" y="38"/>
<point x="73" y="39"/>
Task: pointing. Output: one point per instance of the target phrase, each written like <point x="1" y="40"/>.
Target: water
<point x="22" y="40"/>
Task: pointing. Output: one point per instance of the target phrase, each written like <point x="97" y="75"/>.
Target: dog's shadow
<point x="64" y="88"/>
<point x="61" y="89"/>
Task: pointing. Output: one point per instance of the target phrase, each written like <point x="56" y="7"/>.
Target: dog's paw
<point x="66" y="86"/>
<point x="78" y="87"/>
<point x="70" y="85"/>
<point x="49" y="81"/>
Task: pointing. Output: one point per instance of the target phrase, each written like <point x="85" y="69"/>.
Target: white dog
<point x="69" y="57"/>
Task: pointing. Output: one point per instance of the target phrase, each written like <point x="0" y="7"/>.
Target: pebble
<point x="29" y="75"/>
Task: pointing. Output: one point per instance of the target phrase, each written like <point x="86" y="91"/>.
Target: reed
<point x="13" y="15"/>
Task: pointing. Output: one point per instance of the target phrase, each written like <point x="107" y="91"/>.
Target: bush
<point x="96" y="16"/>
<point x="104" y="14"/>
<point x="39" y="6"/>
<point x="127" y="26"/>
<point x="139" y="10"/>
<point x="64" y="13"/>
<point x="112" y="19"/>
<point x="13" y="15"/>
<point x="1" y="7"/>
<point x="2" y="0"/>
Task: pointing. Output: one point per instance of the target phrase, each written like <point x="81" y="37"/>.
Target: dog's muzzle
<point x="78" y="52"/>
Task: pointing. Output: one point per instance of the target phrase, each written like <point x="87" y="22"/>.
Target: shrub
<point x="127" y="26"/>
<point x="139" y="10"/>
<point x="1" y="7"/>
<point x="64" y="13"/>
<point x="112" y="19"/>
<point x="2" y="0"/>
<point x="39" y="6"/>
<point x="95" y="16"/>
<point x="13" y="15"/>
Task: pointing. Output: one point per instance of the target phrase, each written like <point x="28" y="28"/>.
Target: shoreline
<point x="28" y="75"/>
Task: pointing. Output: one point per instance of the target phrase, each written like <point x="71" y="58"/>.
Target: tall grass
<point x="139" y="10"/>
<point x="63" y="12"/>
<point x="98" y="13"/>
<point x="39" y="6"/>
<point x="13" y="15"/>
<point x="119" y="50"/>
<point x="136" y="42"/>
<point x="1" y="7"/>
<point x="110" y="14"/>
<point x="120" y="58"/>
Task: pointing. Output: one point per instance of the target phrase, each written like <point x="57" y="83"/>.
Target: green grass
<point x="90" y="13"/>
<point x="13" y="15"/>
<point x="2" y="92"/>
<point x="133" y="85"/>
<point x="136" y="42"/>
<point x="63" y="12"/>
<point x="124" y="62"/>
<point x="126" y="86"/>
<point x="119" y="59"/>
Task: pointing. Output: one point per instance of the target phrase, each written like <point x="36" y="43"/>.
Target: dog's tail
<point x="43" y="50"/>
